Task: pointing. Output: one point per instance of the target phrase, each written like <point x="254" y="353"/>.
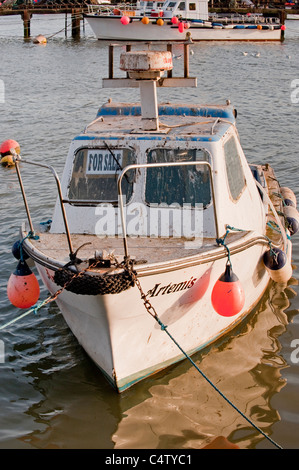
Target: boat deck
<point x="54" y="250"/>
<point x="145" y="252"/>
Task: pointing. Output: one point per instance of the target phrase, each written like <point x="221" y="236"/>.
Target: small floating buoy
<point x="160" y="22"/>
<point x="228" y="296"/>
<point x="278" y="265"/>
<point x="40" y="39"/>
<point x="22" y="287"/>
<point x="288" y="197"/>
<point x="292" y="218"/>
<point x="125" y="20"/>
<point x="5" y="152"/>
<point x="145" y="20"/>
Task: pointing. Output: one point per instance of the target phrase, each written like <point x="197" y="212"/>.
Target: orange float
<point x="228" y="296"/>
<point x="22" y="287"/>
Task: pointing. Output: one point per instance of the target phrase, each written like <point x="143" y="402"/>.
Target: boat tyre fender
<point x="86" y="284"/>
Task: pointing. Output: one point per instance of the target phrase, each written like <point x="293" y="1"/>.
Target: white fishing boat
<point x="171" y="19"/>
<point x="160" y="226"/>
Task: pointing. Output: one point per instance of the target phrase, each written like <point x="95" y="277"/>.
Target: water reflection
<point x="183" y="411"/>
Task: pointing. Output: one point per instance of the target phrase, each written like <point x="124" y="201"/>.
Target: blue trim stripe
<point x="133" y="110"/>
<point x="201" y="138"/>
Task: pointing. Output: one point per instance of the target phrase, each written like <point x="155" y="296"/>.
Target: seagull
<point x="178" y="56"/>
<point x="191" y="52"/>
<point x="244" y="53"/>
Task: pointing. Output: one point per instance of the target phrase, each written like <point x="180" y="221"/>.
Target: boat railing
<point x="160" y="165"/>
<point x="17" y="160"/>
<point x="62" y="201"/>
<point x="108" y="10"/>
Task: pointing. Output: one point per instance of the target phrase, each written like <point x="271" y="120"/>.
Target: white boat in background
<point x="172" y="19"/>
<point x="160" y="224"/>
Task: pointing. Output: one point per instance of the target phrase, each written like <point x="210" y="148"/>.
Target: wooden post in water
<point x="65" y="25"/>
<point x="26" y="16"/>
<point x="283" y="16"/>
<point x="76" y="17"/>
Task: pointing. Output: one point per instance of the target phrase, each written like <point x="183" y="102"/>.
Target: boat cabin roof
<point x="177" y="122"/>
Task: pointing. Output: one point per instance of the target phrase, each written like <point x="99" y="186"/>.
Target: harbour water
<point x="51" y="395"/>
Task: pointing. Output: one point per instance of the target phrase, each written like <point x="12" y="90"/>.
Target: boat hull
<point x="110" y="28"/>
<point x="128" y="344"/>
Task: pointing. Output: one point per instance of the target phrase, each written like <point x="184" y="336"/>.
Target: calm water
<point x="51" y="395"/>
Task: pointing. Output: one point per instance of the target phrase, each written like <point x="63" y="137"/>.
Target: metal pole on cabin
<point x="128" y="49"/>
<point x="110" y="61"/>
<point x="169" y="49"/>
<point x="186" y="60"/>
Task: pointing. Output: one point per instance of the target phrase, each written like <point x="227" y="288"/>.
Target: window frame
<point x="95" y="202"/>
<point x="229" y="178"/>
<point x="208" y="162"/>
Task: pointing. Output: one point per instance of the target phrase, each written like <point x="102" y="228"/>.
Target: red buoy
<point x="228" y="296"/>
<point x="181" y="27"/>
<point x="174" y="20"/>
<point x="125" y="20"/>
<point x="22" y="287"/>
<point x="7" y="145"/>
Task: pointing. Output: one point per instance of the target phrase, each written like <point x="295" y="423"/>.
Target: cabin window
<point x="234" y="170"/>
<point x="95" y="173"/>
<point x="171" y="5"/>
<point x="192" y="6"/>
<point x="181" y="6"/>
<point x="178" y="184"/>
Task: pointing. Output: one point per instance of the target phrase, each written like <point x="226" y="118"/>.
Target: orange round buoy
<point x="22" y="287"/>
<point x="5" y="153"/>
<point x="7" y="145"/>
<point x="145" y="20"/>
<point x="259" y="26"/>
<point x="228" y="296"/>
<point x="160" y="22"/>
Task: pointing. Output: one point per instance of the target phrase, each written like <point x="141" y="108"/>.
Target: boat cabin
<point x="158" y="170"/>
<point x="191" y="9"/>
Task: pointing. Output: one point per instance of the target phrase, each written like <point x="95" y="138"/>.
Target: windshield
<point x="178" y="184"/>
<point x="95" y="173"/>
